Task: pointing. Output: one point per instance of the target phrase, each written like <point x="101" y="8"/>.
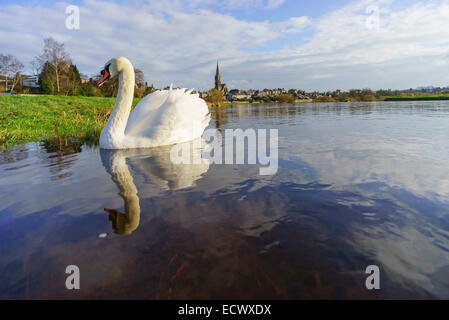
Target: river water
<point x="357" y="184"/>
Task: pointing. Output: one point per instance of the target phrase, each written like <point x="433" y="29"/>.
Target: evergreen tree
<point x="74" y="80"/>
<point x="47" y="79"/>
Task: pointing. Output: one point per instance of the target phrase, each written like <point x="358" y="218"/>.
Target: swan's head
<point x="113" y="67"/>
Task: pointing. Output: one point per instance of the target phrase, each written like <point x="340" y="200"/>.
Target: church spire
<point x="218" y="79"/>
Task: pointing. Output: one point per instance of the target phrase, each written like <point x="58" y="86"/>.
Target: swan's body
<point x="164" y="117"/>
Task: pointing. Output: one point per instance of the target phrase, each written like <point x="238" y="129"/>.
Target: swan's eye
<point x="102" y="72"/>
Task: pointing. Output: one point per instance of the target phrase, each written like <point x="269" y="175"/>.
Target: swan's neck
<point x="128" y="222"/>
<point x="114" y="131"/>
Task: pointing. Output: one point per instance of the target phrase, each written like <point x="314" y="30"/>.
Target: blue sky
<point x="313" y="45"/>
<point x="250" y="11"/>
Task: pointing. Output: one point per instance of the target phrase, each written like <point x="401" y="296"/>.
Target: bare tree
<point x="36" y="66"/>
<point x="16" y="80"/>
<point x="139" y="91"/>
<point x="140" y="78"/>
<point x="10" y="67"/>
<point x="54" y="53"/>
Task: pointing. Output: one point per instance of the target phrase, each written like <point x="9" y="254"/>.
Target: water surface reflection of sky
<point x="357" y="184"/>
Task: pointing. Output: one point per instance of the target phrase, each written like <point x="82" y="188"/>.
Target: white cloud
<point x="295" y="24"/>
<point x="271" y="4"/>
<point x="180" y="41"/>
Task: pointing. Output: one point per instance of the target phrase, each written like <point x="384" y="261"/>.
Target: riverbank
<point x="35" y="118"/>
<point x="418" y="98"/>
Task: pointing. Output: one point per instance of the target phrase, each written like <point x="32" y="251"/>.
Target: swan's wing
<point x="181" y="117"/>
<point x="144" y="112"/>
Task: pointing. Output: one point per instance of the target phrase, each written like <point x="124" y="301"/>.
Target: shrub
<point x="215" y="97"/>
<point x="286" y="98"/>
<point x="324" y="99"/>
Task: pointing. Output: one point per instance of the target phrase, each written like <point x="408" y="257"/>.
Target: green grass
<point x="35" y="118"/>
<point x="418" y="98"/>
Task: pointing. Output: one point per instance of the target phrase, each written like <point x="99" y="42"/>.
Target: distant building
<point x="31" y="82"/>
<point x="218" y="85"/>
<point x="263" y="93"/>
<point x="84" y="78"/>
<point x="241" y="97"/>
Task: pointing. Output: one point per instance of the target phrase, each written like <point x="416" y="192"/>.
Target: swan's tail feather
<point x="181" y="90"/>
<point x="206" y="120"/>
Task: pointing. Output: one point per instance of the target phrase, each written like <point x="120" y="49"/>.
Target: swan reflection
<point x="156" y="167"/>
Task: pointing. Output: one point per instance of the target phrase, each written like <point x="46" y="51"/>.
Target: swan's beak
<point x="105" y="76"/>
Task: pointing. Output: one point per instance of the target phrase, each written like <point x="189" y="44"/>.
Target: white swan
<point x="164" y="117"/>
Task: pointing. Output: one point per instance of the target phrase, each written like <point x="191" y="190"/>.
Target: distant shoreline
<point x="424" y="98"/>
<point x="436" y="97"/>
<point x="386" y="99"/>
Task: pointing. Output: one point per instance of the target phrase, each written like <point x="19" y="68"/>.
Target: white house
<point x="31" y="82"/>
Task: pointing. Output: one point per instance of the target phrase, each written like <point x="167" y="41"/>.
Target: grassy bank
<point x="35" y="118"/>
<point x="418" y="98"/>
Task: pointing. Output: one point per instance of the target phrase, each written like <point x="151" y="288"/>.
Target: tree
<point x="87" y="90"/>
<point x="324" y="99"/>
<point x="17" y="83"/>
<point x="367" y="95"/>
<point x="140" y="78"/>
<point x="74" y="80"/>
<point x="55" y="54"/>
<point x="46" y="79"/>
<point x="215" y="97"/>
<point x="286" y="98"/>
<point x="140" y="83"/>
<point x="10" y="67"/>
<point x="149" y="89"/>
<point x="36" y="66"/>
